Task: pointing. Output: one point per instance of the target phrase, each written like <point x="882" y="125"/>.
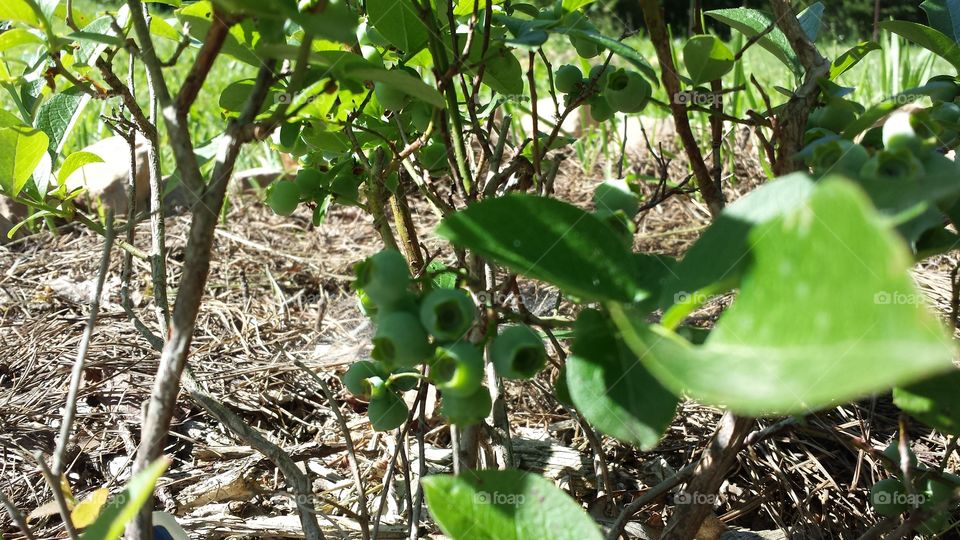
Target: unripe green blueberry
<point x="405" y="383"/>
<point x="447" y="313"/>
<point x="899" y="132"/>
<point x="367" y="306"/>
<point x="400" y="340"/>
<point x="387" y="410"/>
<point x="310" y="182"/>
<point x="627" y="91"/>
<point x="457" y="370"/>
<point x="518" y="353"/>
<point x="947" y="115"/>
<point x="815" y="134"/>
<point x="283" y="197"/>
<point x="888" y="497"/>
<point x="384" y="278"/>
<point x="356" y="375"/>
<point x="947" y="90"/>
<point x="614" y="195"/>
<point x="600" y="110"/>
<point x="466" y="410"/>
<point x="892" y="452"/>
<point x="585" y="48"/>
<point x="567" y="78"/>
<point x="840" y="156"/>
<point x="898" y="165"/>
<point x="389" y="96"/>
<point x="601" y="74"/>
<point x="835" y="116"/>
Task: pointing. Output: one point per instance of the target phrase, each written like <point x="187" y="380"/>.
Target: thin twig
<point x="58" y="497"/>
<point x="16" y="517"/>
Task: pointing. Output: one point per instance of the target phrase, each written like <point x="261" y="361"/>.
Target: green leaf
<point x="97" y="35"/>
<point x="707" y="58"/>
<point x="18" y="37"/>
<point x="549" y="240"/>
<point x="123" y="507"/>
<point x="852" y="57"/>
<point x="722" y="252"/>
<point x="399" y="23"/>
<point x="944" y="15"/>
<point x="505" y="505"/>
<point x="811" y="20"/>
<point x="752" y="23"/>
<point x="933" y="40"/>
<point x="73" y="162"/>
<point x="21" y="151"/>
<point x="503" y="72"/>
<point x="58" y="115"/>
<point x="234" y="97"/>
<point x="402" y="81"/>
<point x="19" y="11"/>
<point x="612" y="388"/>
<point x="935" y="402"/>
<point x="856" y="324"/>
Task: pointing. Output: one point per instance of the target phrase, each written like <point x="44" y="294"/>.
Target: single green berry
<point x="309" y="182"/>
<point x="899" y="165"/>
<point x="888" y="497"/>
<point x="947" y="114"/>
<point x="384" y="278"/>
<point x="892" y="452"/>
<point x="835" y="116"/>
<point x="283" y="197"/>
<point x="601" y="74"/>
<point x="387" y="410"/>
<point x="839" y="156"/>
<point x="356" y="375"/>
<point x="366" y="305"/>
<point x="400" y="340"/>
<point x="447" y="313"/>
<point x="458" y="370"/>
<point x="585" y="48"/>
<point x="614" y="195"/>
<point x="466" y="410"/>
<point x="390" y="97"/>
<point x="627" y="91"/>
<point x="947" y="89"/>
<point x="567" y="78"/>
<point x="518" y="353"/>
<point x="899" y="131"/>
<point x="600" y="109"/>
<point x="405" y="382"/>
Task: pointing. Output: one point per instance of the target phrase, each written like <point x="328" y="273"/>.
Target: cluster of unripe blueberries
<point x="907" y="147"/>
<point x="930" y="491"/>
<point x="423" y="333"/>
<point x="607" y="90"/>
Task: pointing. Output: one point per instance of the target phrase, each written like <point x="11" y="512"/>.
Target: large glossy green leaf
<point x="612" y="388"/>
<point x="18" y="37"/>
<point x="19" y="11"/>
<point x="123" y="507"/>
<point x="851" y="57"/>
<point x="21" y="151"/>
<point x="399" y="23"/>
<point x="722" y="252"/>
<point x="549" y="240"/>
<point x="944" y="15"/>
<point x="706" y="58"/>
<point x="59" y="114"/>
<point x="827" y="313"/>
<point x="933" y="40"/>
<point x="505" y="505"/>
<point x="752" y="23"/>
<point x="97" y="35"/>
<point x="935" y="402"/>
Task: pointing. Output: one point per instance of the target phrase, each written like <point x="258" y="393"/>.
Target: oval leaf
<point x="935" y="402"/>
<point x="856" y="323"/>
<point x="21" y="150"/>
<point x="612" y="388"/>
<point x="933" y="40"/>
<point x="551" y="241"/>
<point x="505" y="505"/>
<point x="399" y="23"/>
<point x="707" y="58"/>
